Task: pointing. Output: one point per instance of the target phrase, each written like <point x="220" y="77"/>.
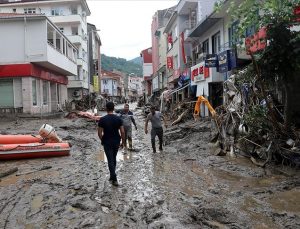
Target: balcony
<point x="42" y="43"/>
<point x="184" y="6"/>
<point x="58" y="62"/>
<point x="75" y="18"/>
<point x="77" y="84"/>
<point x="76" y="39"/>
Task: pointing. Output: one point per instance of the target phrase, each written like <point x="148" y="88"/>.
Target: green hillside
<point x="109" y="63"/>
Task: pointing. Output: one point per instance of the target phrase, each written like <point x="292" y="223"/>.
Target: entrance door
<point x="216" y="94"/>
<point x="6" y="93"/>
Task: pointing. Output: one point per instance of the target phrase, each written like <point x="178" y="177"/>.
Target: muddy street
<point x="185" y="186"/>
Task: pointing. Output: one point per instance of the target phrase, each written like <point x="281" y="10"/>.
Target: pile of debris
<point x="181" y="112"/>
<point x="252" y="126"/>
<point x="87" y="102"/>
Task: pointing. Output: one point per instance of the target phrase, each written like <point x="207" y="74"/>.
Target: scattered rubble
<point x="247" y="125"/>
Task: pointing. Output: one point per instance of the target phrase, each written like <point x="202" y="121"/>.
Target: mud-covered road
<point x="185" y="186"/>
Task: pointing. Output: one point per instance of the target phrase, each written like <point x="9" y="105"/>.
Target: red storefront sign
<point x="199" y="72"/>
<point x="170" y="62"/>
<point x="31" y="70"/>
<point x="256" y="42"/>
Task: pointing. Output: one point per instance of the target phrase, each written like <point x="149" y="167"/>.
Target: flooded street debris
<point x="185" y="186"/>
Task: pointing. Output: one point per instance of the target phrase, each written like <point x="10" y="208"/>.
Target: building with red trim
<point x="35" y="61"/>
<point x="70" y="16"/>
<point x="146" y="55"/>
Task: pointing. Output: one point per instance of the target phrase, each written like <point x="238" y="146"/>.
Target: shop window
<point x="45" y="92"/>
<point x="34" y="92"/>
<point x="58" y="93"/>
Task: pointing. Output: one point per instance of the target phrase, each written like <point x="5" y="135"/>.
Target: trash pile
<point x="87" y="102"/>
<point x="246" y="124"/>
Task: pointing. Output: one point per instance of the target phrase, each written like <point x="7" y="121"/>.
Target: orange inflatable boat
<point x="19" y="139"/>
<point x="33" y="150"/>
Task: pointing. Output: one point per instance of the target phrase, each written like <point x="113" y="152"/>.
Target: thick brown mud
<point x="185" y="186"/>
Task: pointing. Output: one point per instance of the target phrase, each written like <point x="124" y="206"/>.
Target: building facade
<point x="146" y="55"/>
<point x="111" y="86"/>
<point x="159" y="49"/>
<point x="35" y="68"/>
<point x="70" y="16"/>
<point x="94" y="58"/>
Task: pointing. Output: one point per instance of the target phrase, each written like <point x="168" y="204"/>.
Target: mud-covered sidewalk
<point x="185" y="186"/>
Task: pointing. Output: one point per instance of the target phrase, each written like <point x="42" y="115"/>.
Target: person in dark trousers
<point x="110" y="132"/>
<point x="127" y="116"/>
<point x="155" y="118"/>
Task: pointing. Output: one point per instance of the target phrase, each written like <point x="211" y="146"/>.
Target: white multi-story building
<point x="35" y="61"/>
<point x="111" y="85"/>
<point x="70" y="16"/>
<point x="135" y="85"/>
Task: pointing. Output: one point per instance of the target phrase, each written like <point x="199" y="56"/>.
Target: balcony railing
<point x="58" y="50"/>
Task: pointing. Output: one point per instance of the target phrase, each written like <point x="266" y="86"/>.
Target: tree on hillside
<point x="280" y="60"/>
<point x="120" y="64"/>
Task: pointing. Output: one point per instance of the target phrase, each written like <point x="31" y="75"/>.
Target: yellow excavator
<point x="202" y="99"/>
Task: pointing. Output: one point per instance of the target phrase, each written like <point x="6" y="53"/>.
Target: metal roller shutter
<point x="6" y="93"/>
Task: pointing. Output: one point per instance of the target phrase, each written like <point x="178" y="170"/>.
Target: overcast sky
<point x="125" y="25"/>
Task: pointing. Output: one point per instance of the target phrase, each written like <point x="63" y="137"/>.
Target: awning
<point x="203" y="26"/>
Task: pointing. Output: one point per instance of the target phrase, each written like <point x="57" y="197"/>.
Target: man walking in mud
<point x="109" y="129"/>
<point x="127" y="116"/>
<point x="155" y="118"/>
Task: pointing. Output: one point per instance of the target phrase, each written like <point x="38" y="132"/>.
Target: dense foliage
<point x="120" y="64"/>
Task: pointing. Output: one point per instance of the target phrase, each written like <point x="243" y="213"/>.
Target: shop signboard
<point x="211" y="61"/>
<point x="223" y="61"/>
<point x="199" y="72"/>
<point x="227" y="60"/>
<point x="96" y="83"/>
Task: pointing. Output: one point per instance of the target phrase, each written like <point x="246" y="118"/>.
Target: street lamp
<point x="89" y="64"/>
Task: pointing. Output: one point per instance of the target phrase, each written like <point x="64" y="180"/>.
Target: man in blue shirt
<point x="109" y="129"/>
<point x="127" y="116"/>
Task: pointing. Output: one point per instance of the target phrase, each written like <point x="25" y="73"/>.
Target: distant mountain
<point x="137" y="60"/>
<point x="110" y="63"/>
